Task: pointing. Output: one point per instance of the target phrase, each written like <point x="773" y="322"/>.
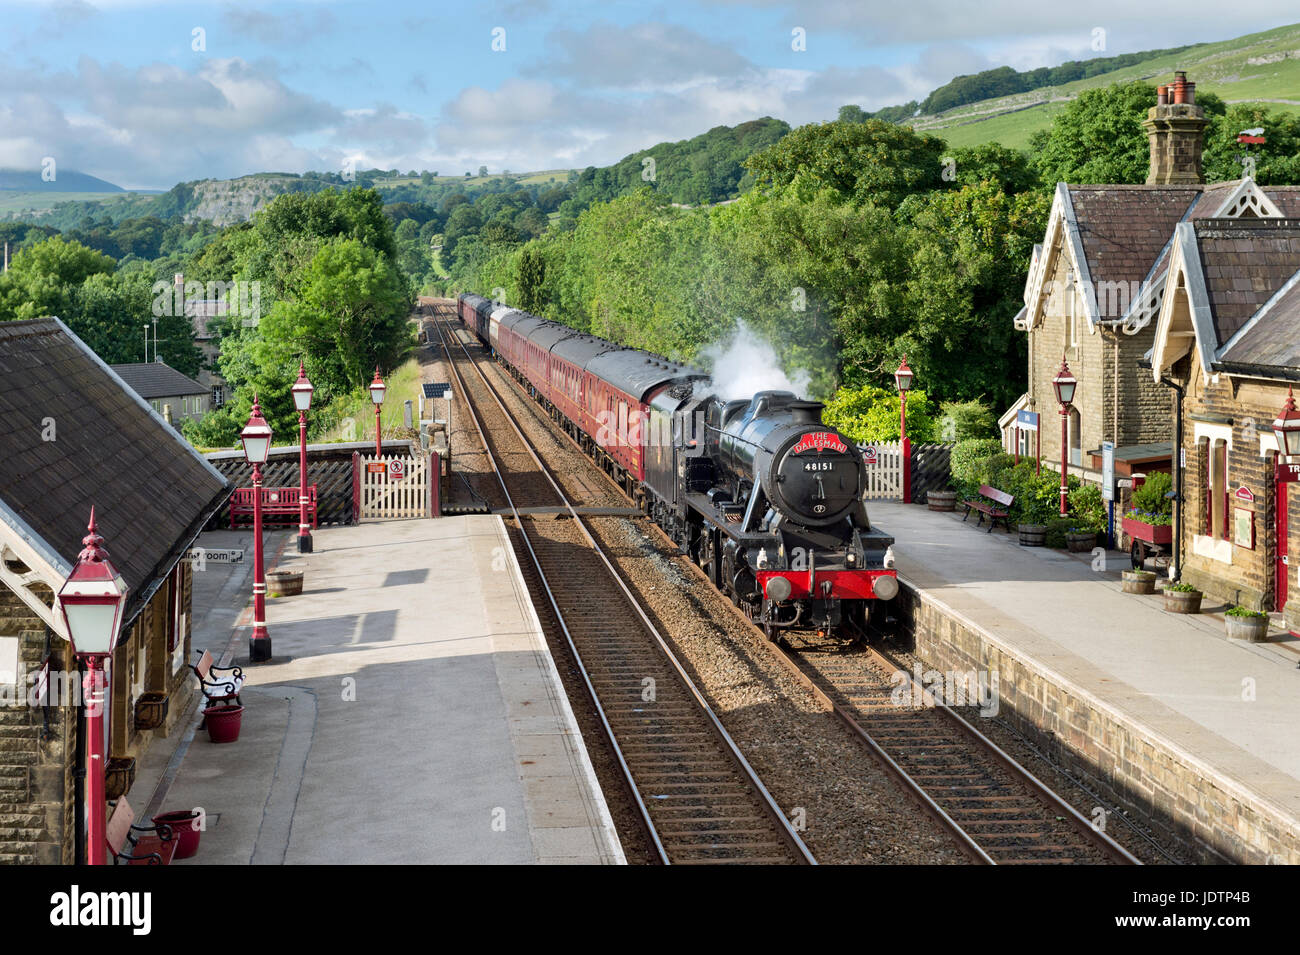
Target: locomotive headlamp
<point x="889" y="558"/>
<point x="778" y="588"/>
<point x="886" y="588"/>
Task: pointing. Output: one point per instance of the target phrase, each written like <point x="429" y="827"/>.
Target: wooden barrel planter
<point x="1182" y="601"/>
<point x="1080" y="541"/>
<point x="1139" y="582"/>
<point x="941" y="500"/>
<point x="284" y="583"/>
<point x="1033" y="535"/>
<point x="1251" y="629"/>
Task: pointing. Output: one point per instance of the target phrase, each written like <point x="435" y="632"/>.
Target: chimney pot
<point x="1162" y="95"/>
<point x="1190" y="98"/>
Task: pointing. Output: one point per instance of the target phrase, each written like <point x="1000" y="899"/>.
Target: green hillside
<point x="1257" y="68"/>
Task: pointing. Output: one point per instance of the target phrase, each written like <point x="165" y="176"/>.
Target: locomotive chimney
<point x="806" y="412"/>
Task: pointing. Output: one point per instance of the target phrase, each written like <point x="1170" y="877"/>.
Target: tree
<point x="1276" y="160"/>
<point x="1098" y="137"/>
<point x="482" y="171"/>
<point x="531" y="276"/>
<point x="42" y="277"/>
<point x="873" y="160"/>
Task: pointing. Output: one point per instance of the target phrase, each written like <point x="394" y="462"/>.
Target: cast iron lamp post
<point x="91" y="601"/>
<point x="1064" y="383"/>
<point x="256" y="438"/>
<point x="1287" y="427"/>
<point x="302" y="392"/>
<point x="903" y="380"/>
<point x="377" y="389"/>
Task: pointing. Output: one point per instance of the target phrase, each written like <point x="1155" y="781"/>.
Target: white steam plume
<point x="743" y="364"/>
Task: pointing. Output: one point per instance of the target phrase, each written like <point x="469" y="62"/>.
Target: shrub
<point x="1087" y="509"/>
<point x="1056" y="529"/>
<point x="1181" y="588"/>
<point x="1150" y="497"/>
<point x="966" y="453"/>
<point x="870" y="413"/>
<point x="964" y="420"/>
<point x="1240" y="611"/>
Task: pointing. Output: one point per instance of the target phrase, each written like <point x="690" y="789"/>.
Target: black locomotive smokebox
<point x="817" y="476"/>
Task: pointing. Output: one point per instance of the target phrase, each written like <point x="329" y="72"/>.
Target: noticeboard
<point x="1108" y="470"/>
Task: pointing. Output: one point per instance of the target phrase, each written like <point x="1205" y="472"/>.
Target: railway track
<point x="994" y="808"/>
<point x="999" y="812"/>
<point x="695" y="793"/>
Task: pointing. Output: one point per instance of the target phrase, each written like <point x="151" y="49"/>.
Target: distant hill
<point x="1257" y="68"/>
<point x="21" y="180"/>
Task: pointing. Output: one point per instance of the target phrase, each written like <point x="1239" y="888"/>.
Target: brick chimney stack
<point x="1176" y="130"/>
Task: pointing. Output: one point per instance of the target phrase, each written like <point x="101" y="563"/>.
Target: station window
<point x="1214" y="457"/>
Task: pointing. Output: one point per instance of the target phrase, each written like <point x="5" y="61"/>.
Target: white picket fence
<point x="384" y="498"/>
<point x="884" y="470"/>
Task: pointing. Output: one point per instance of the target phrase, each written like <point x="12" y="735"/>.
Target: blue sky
<point x="115" y="87"/>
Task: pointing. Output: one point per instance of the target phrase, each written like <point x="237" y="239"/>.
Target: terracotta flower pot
<point x="223" y="723"/>
<point x="1138" y="582"/>
<point x="941" y="500"/>
<point x="185" y="830"/>
<point x="1182" y="601"/>
<point x="1251" y="629"/>
<point x="284" y="583"/>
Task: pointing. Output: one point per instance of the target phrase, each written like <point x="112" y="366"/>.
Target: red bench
<point x="126" y="846"/>
<point x="992" y="502"/>
<point x="277" y="503"/>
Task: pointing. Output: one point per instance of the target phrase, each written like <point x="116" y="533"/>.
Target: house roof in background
<point x="1245" y="263"/>
<point x="73" y="434"/>
<point x="154" y="379"/>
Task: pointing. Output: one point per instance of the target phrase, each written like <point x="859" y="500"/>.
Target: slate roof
<point x="152" y="492"/>
<point x="154" y="379"/>
<point x="1245" y="263"/>
<point x="1125" y="229"/>
<point x="1273" y="337"/>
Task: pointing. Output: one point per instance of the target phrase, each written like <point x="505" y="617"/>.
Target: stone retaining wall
<point x="1216" y="819"/>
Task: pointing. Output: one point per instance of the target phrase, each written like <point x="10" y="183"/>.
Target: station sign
<point x="213" y="555"/>
<point x="376" y="467"/>
<point x="1244" y="493"/>
<point x="1288" y="473"/>
<point x="1027" y="420"/>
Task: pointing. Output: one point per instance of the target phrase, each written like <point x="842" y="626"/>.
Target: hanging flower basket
<point x="119" y="774"/>
<point x="150" y="711"/>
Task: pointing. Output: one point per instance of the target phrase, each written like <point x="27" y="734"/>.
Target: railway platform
<point x="1194" y="729"/>
<point x="412" y="712"/>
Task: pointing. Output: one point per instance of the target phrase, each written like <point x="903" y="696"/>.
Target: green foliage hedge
<point x="871" y="413"/>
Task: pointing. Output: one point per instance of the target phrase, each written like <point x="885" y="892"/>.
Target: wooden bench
<point x="129" y="842"/>
<point x="993" y="503"/>
<point x="218" y="689"/>
<point x="279" y="505"/>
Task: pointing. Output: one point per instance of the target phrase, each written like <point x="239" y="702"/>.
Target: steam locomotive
<point x="757" y="491"/>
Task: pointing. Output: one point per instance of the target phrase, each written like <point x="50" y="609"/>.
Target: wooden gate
<point x="884" y="470"/>
<point x="393" y="486"/>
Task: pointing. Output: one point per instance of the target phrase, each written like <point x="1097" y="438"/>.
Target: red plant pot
<point x="185" y="830"/>
<point x="223" y="723"/>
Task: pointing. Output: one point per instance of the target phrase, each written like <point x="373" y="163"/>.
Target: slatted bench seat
<point x="137" y="845"/>
<point x="994" y="504"/>
<point x="217" y="687"/>
<point x="279" y="505"/>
